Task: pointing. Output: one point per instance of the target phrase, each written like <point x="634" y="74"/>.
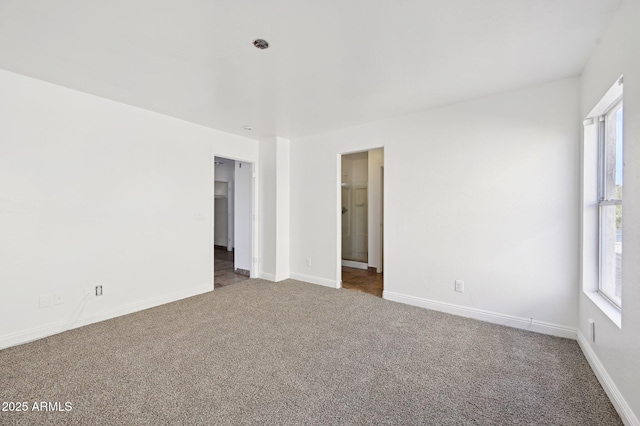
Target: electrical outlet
<point x="592" y="330"/>
<point x="98" y="290"/>
<point x="45" y="300"/>
<point x="308" y="261"/>
<point x="58" y="298"/>
<point x="460" y="286"/>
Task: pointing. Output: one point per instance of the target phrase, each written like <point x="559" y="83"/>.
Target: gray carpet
<point x="294" y="353"/>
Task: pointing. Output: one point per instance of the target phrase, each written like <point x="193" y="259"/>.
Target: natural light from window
<point x="610" y="203"/>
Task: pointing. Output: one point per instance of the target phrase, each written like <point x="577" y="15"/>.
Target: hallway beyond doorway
<point x="367" y="281"/>
<point x="223" y="268"/>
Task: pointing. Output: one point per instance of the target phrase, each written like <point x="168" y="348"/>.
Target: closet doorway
<point x="232" y="227"/>
<point x="361" y="211"/>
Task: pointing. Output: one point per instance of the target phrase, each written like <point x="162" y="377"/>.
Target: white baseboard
<point x="624" y="410"/>
<point x="267" y="276"/>
<point x="274" y="278"/>
<point x="352" y="264"/>
<point x="482" y="315"/>
<point x="315" y="280"/>
<point x="282" y="277"/>
<point x="35" y="333"/>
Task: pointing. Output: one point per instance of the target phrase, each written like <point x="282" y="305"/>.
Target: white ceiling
<point x="331" y="64"/>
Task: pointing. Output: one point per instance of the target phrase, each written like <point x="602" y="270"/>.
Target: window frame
<point x="605" y="199"/>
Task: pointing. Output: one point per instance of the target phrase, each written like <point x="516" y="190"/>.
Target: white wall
<point x="376" y="160"/>
<point x="221" y="214"/>
<point x="97" y="192"/>
<point x="359" y="170"/>
<point x="274" y="208"/>
<point x="267" y="209"/>
<point x="484" y="191"/>
<point x="243" y="217"/>
<point x="355" y="168"/>
<point x="615" y="355"/>
<point x="283" y="200"/>
<point x="225" y="173"/>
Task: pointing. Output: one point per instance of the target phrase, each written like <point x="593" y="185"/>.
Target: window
<point x="610" y="193"/>
<point x="602" y="199"/>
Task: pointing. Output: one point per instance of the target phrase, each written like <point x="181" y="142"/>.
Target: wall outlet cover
<point x="45" y="300"/>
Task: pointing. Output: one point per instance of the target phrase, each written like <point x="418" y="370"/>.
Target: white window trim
<point x="602" y="197"/>
<point x="590" y="235"/>
<point x="606" y="306"/>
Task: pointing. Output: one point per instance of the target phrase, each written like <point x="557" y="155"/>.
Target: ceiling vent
<point x="260" y="43"/>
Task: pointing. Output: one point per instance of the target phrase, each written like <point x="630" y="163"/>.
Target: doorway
<point x="355" y="251"/>
<point x="361" y="211"/>
<point x="232" y="224"/>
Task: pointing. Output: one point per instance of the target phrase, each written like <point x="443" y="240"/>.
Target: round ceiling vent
<point x="260" y="43"/>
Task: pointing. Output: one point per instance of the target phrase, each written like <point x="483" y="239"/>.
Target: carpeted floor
<point x="293" y="353"/>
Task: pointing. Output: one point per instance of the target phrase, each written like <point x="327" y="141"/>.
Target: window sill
<point x="606" y="307"/>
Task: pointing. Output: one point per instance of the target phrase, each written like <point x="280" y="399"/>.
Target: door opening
<point x="361" y="182"/>
<point x="232" y="224"/>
